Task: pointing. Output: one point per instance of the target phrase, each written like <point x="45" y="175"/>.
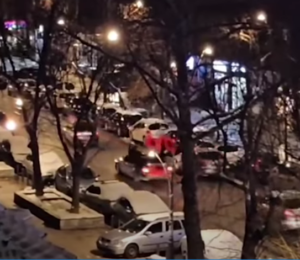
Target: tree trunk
<point x="189" y="189"/>
<point x="37" y="181"/>
<point x="253" y="228"/>
<point x="195" y="243"/>
<point x="76" y="170"/>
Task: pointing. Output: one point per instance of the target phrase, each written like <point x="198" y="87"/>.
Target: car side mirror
<point x="148" y="233"/>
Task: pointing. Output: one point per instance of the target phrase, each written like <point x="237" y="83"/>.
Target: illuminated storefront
<point x="228" y="93"/>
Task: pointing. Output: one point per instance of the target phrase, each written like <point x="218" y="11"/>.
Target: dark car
<point x="120" y="122"/>
<point x="26" y="73"/>
<point x="64" y="179"/>
<point x="87" y="132"/>
<point x="142" y="166"/>
<point x="135" y="204"/>
<point x="105" y="113"/>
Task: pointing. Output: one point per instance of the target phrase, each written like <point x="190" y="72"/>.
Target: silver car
<point x="146" y="234"/>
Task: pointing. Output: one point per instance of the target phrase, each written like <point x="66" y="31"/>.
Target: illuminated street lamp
<point x="173" y="65"/>
<point x="139" y="4"/>
<point x="61" y="22"/>
<point x="208" y="50"/>
<point x="11" y="125"/>
<point x="261" y="17"/>
<point x="113" y="36"/>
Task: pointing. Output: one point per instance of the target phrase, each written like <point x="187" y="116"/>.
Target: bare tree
<point x="33" y="106"/>
<point x="88" y="96"/>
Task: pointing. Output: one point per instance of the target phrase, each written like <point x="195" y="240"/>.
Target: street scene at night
<point x="149" y="129"/>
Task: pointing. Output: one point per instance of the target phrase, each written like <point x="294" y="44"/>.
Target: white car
<point x="101" y="195"/>
<point x="154" y="126"/>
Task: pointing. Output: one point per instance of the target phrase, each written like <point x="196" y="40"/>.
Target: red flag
<point x="153" y="143"/>
<point x="170" y="145"/>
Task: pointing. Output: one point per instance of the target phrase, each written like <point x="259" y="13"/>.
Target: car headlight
<point x="117" y="243"/>
<point x="19" y="102"/>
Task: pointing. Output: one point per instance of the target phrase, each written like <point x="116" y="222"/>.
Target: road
<point x="221" y="205"/>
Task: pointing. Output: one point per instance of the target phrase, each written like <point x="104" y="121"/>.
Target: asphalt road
<point x="221" y="205"/>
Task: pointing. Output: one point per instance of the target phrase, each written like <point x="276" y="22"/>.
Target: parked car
<point x="153" y="126"/>
<point x="101" y="195"/>
<point x="136" y="203"/>
<point x="105" y="112"/>
<point x="144" y="112"/>
<point x="64" y="179"/>
<point x="120" y="121"/>
<point x="147" y="233"/>
<point x="87" y="133"/>
<point x="208" y="163"/>
<point x="142" y="166"/>
<point x="49" y="161"/>
<point x="286" y="212"/>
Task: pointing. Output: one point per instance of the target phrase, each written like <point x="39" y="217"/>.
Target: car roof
<point x="145" y="202"/>
<point x="163" y="215"/>
<point x="113" y="190"/>
<point x="152" y="120"/>
<point x="127" y="112"/>
<point x="110" y="105"/>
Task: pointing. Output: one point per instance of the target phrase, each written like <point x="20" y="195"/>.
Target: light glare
<point x="113" y="36"/>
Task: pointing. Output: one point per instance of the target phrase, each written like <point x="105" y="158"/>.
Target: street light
<point x="61" y="22"/>
<point x="208" y="50"/>
<point x="261" y="16"/>
<point x="11" y="125"/>
<point x="173" y="65"/>
<point x="168" y="170"/>
<point x="139" y="4"/>
<point x="113" y="35"/>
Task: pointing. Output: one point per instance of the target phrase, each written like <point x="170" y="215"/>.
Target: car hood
<point x="85" y="183"/>
<point x="116" y="234"/>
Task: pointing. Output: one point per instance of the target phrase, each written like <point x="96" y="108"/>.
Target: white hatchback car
<point x="154" y="126"/>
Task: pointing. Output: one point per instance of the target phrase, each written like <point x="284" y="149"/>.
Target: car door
<point x="61" y="179"/>
<point x="91" y="196"/>
<point x="178" y="232"/>
<point x="124" y="211"/>
<point x="154" y="238"/>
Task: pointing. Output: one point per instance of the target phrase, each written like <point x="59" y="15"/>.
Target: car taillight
<point x="289" y="214"/>
<point x="145" y="170"/>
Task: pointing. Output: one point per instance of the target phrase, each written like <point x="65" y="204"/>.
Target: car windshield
<point x="292" y="203"/>
<point x="134" y="226"/>
<point x="132" y="119"/>
<point x="109" y="111"/>
<point x="228" y="148"/>
<point x="148" y="159"/>
<point x="85" y="127"/>
<point x="205" y="144"/>
<point x="87" y="174"/>
<point x="210" y="156"/>
<point x="158" y="126"/>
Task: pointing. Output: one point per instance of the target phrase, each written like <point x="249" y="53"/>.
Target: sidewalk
<point x="82" y="243"/>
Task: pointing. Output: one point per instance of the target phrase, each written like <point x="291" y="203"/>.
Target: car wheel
<point x="131" y="251"/>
